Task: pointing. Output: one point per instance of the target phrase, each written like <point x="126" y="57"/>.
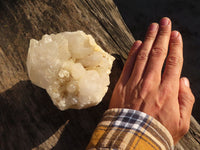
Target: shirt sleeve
<point x="123" y="129"/>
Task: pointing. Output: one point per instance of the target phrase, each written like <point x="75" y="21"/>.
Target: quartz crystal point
<point x="72" y="68"/>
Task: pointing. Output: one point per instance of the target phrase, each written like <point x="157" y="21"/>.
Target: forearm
<point x="130" y="129"/>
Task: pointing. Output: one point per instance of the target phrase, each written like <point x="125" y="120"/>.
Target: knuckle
<point x="166" y="90"/>
<point x="142" y="55"/>
<point x="164" y="32"/>
<point x="119" y="88"/>
<point x="145" y="88"/>
<point x="158" y="51"/>
<point x="176" y="43"/>
<point x="174" y="60"/>
<point x="150" y="36"/>
<point x="191" y="97"/>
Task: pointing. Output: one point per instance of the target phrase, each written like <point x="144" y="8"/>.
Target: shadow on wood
<point x="28" y="117"/>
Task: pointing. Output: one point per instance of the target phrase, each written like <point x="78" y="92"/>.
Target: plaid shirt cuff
<point x="130" y="129"/>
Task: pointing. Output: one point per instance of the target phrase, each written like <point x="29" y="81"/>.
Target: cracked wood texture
<point x="28" y="118"/>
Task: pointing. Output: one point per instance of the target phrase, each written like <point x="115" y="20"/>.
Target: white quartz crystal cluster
<point x="72" y="68"/>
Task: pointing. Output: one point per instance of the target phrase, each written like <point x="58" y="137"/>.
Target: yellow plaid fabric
<point x="125" y="129"/>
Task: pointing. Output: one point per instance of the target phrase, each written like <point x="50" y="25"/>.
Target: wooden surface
<point x="28" y="118"/>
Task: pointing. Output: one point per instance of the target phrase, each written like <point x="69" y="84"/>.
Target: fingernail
<point x="186" y="82"/>
<point x="153" y="27"/>
<point x="164" y="21"/>
<point x="174" y="34"/>
<point x="136" y="44"/>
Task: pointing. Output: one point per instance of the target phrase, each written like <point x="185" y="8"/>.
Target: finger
<point x="159" y="50"/>
<point x="142" y="56"/>
<point x="186" y="101"/>
<point x="127" y="70"/>
<point x="174" y="60"/>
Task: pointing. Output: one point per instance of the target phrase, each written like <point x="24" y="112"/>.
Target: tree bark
<point x="28" y="118"/>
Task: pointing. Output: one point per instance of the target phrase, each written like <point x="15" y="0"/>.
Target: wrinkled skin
<point x="142" y="85"/>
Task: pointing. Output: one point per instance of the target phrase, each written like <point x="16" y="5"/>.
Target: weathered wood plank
<point x="192" y="139"/>
<point x="23" y="20"/>
<point x="27" y="116"/>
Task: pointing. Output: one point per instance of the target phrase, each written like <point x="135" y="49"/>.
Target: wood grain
<point x="27" y="116"/>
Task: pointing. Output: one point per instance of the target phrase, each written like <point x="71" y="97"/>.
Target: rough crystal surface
<point x="72" y="68"/>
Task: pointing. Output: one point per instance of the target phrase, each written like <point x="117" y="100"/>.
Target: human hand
<point x="142" y="85"/>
